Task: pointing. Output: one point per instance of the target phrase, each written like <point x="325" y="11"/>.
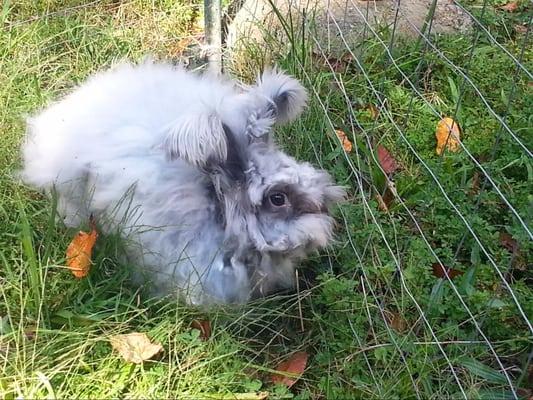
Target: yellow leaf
<point x="346" y="144"/>
<point x="373" y="110"/>
<point x="448" y="135"/>
<point x="79" y="252"/>
<point x="135" y="347"/>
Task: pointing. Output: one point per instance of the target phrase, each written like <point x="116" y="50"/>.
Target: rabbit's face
<point x="270" y="204"/>
<point x="290" y="202"/>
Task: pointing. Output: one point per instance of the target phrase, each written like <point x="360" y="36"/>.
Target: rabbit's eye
<point x="278" y="199"/>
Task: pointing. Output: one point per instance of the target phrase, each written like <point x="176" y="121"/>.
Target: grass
<point x="376" y="322"/>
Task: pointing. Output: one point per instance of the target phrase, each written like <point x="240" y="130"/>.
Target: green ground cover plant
<point x="371" y="313"/>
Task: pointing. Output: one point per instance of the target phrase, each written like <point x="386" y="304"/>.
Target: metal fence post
<point x="213" y="35"/>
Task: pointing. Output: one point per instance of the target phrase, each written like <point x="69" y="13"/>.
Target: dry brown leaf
<point x="382" y="206"/>
<point x="30" y="332"/>
<point x="204" y="327"/>
<point x="236" y="396"/>
<point x="293" y="366"/>
<point x="335" y="64"/>
<point x="135" y="347"/>
<point x="346" y="144"/>
<point x="386" y="160"/>
<point x="474" y="189"/>
<point x="79" y="252"/>
<point x="396" y="321"/>
<point x="520" y="28"/>
<point x="373" y="110"/>
<point x="440" y="271"/>
<point x="385" y="200"/>
<point x="524" y="393"/>
<point x="512" y="6"/>
<point x="509" y="242"/>
<point x="448" y="135"/>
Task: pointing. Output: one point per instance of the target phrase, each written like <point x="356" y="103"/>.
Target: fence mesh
<point x="437" y="240"/>
<point x="427" y="292"/>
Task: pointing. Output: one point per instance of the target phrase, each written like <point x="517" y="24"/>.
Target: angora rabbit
<point x="186" y="166"/>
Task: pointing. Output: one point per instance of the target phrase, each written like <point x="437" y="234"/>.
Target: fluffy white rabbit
<point x="185" y="166"/>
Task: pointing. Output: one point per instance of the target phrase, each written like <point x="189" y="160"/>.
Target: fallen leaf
<point x="373" y="110"/>
<point x="79" y="251"/>
<point x="396" y="321"/>
<point x="335" y="64"/>
<point x="509" y="242"/>
<point x="440" y="271"/>
<point x="520" y="29"/>
<point x="291" y="370"/>
<point x="474" y="189"/>
<point x="30" y="332"/>
<point x="386" y="160"/>
<point x="448" y="135"/>
<point x="204" y="327"/>
<point x="525" y="393"/>
<point x="382" y="205"/>
<point x="235" y="396"/>
<point x="346" y="144"/>
<point x="512" y="6"/>
<point x="385" y="200"/>
<point x="135" y="347"/>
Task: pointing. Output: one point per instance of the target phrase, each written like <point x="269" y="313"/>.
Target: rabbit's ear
<point x="279" y="99"/>
<point x="196" y="138"/>
<point x="287" y="96"/>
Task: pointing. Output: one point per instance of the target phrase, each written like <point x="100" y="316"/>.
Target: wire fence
<point x="436" y="247"/>
<point x="384" y="74"/>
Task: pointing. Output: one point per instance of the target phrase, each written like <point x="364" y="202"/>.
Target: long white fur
<point x="129" y="146"/>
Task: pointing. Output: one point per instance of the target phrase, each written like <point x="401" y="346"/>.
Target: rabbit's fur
<point x="186" y="166"/>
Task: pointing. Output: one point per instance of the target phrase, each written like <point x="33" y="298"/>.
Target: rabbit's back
<point x="120" y="112"/>
<point x="100" y="148"/>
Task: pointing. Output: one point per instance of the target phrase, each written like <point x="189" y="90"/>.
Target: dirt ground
<point x="335" y="23"/>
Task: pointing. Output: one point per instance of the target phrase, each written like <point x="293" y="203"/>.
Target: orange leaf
<point x="346" y="144"/>
<point x="79" y="252"/>
<point x="135" y="347"/>
<point x="386" y="160"/>
<point x="204" y="327"/>
<point x="294" y="366"/>
<point x="512" y="6"/>
<point x="440" y="271"/>
<point x="448" y="135"/>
